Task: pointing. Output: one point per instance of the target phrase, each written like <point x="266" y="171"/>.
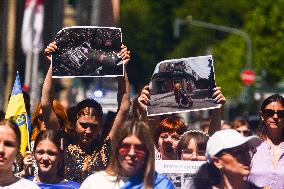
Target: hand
<point x="144" y="97"/>
<point x="28" y="160"/>
<point x="28" y="163"/>
<point x="50" y="49"/>
<point x="218" y="97"/>
<point x="124" y="54"/>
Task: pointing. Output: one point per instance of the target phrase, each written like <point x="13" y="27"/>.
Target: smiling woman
<point x="87" y="151"/>
<point x="9" y="146"/>
<point x="132" y="162"/>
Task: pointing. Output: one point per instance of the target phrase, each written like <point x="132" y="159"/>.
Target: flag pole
<point x="34" y="83"/>
<point x="28" y="131"/>
<point x="28" y="70"/>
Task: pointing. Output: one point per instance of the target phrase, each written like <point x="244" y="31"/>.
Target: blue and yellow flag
<point x="17" y="111"/>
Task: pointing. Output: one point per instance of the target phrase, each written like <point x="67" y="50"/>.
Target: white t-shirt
<point x="21" y="184"/>
<point x="100" y="179"/>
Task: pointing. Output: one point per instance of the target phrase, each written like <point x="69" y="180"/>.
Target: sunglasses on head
<point x="85" y="125"/>
<point x="270" y="113"/>
<point x="139" y="149"/>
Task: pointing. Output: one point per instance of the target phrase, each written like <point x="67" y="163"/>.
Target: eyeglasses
<point x="39" y="117"/>
<point x="85" y="125"/>
<point x="139" y="149"/>
<point x="245" y="133"/>
<point x="270" y="113"/>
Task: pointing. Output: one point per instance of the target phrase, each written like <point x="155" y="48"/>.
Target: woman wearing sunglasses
<point x="89" y="151"/>
<point x="229" y="155"/>
<point x="132" y="162"/>
<point x="268" y="160"/>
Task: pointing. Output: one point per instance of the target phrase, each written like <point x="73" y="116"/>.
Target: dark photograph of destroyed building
<point x="87" y="51"/>
<point x="182" y="85"/>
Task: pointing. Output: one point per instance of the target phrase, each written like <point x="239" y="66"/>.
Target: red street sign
<point x="248" y="77"/>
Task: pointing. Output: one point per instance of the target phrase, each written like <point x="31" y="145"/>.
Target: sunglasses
<point x="270" y="113"/>
<point x="237" y="152"/>
<point x="139" y="149"/>
<point x="85" y="125"/>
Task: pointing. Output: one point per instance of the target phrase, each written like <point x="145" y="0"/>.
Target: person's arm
<point x="123" y="94"/>
<point x="215" y="123"/>
<point x="47" y="95"/>
<point x="143" y="101"/>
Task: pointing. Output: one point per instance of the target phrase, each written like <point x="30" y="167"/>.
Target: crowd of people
<point x="70" y="148"/>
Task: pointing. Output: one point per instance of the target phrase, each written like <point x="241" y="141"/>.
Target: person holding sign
<point x="88" y="152"/>
<point x="132" y="162"/>
<point x="170" y="129"/>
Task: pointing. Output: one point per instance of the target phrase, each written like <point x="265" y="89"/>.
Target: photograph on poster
<point x="86" y="51"/>
<point x="182" y="85"/>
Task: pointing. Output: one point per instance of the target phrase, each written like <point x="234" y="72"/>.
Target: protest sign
<point x="182" y="85"/>
<point x="184" y="174"/>
<point x="86" y="51"/>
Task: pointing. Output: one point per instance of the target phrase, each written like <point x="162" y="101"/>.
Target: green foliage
<point x="267" y="28"/>
<point x="148" y="31"/>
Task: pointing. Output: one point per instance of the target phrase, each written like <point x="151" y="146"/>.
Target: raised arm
<point x="123" y="93"/>
<point x="215" y="122"/>
<point x="143" y="101"/>
<point x="47" y="95"/>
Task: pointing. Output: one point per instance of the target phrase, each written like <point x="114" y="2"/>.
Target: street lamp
<point x="189" y="20"/>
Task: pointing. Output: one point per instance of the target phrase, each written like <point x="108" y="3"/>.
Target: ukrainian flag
<point x="16" y="111"/>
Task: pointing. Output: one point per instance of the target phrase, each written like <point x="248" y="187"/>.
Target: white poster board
<point x="183" y="174"/>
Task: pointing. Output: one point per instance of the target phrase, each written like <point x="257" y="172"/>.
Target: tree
<point x="147" y="28"/>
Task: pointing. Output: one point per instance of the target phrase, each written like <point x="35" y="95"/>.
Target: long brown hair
<point x="143" y="132"/>
<point x="55" y="138"/>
